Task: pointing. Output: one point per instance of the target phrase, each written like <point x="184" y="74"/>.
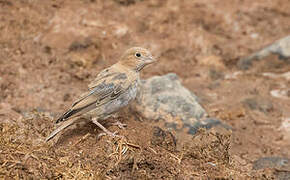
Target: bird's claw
<point x="111" y="134"/>
<point x="120" y="125"/>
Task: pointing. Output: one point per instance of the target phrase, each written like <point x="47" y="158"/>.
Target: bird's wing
<point x="108" y="85"/>
<point x="103" y="75"/>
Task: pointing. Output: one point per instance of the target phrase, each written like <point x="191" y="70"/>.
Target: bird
<point x="113" y="88"/>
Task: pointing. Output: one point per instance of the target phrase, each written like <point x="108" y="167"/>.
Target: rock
<point x="280" y="47"/>
<point x="233" y="75"/>
<point x="216" y="74"/>
<point x="164" y="99"/>
<point x="78" y="45"/>
<point x="272" y="162"/>
<point x="121" y="30"/>
<point x="92" y="22"/>
<point x="261" y="104"/>
<point x="285" y="75"/>
<point x="281" y="93"/>
<point x="285" y="127"/>
<point x="127" y="2"/>
<point x="280" y="164"/>
<point x="206" y="123"/>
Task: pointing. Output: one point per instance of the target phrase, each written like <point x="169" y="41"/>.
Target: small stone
<point x="92" y="23"/>
<point x="66" y="97"/>
<point x="206" y="123"/>
<point x="258" y="103"/>
<point x="280" y="47"/>
<point x="215" y="74"/>
<point x="126" y="2"/>
<point x="279" y="163"/>
<point x="47" y="50"/>
<point x="78" y="45"/>
<point x="121" y="30"/>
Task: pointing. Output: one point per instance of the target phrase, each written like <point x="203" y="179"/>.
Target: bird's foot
<point x="106" y="131"/>
<point x="119" y="124"/>
<point x="109" y="133"/>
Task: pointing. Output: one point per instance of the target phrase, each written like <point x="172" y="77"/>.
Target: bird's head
<point x="136" y="58"/>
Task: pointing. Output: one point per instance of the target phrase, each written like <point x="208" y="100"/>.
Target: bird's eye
<point x="138" y="54"/>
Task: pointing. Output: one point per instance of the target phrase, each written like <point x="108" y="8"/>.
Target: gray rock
<point x="272" y="162"/>
<point x="163" y="98"/>
<point x="280" y="164"/>
<point x="259" y="103"/>
<point x="205" y="123"/>
<point x="280" y="47"/>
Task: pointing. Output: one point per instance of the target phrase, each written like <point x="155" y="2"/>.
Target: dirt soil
<point x="50" y="50"/>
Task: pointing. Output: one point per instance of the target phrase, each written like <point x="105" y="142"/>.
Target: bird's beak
<point x="150" y="60"/>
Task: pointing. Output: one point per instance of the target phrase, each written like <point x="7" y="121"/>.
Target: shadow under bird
<point x="113" y="88"/>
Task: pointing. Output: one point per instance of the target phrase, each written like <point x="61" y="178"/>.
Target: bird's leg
<point x="114" y="134"/>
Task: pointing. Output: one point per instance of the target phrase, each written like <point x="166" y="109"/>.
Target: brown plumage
<point x="114" y="88"/>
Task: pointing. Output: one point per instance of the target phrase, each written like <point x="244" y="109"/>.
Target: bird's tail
<point x="63" y="126"/>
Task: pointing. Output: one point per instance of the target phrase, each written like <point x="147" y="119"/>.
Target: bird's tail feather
<point x="60" y="128"/>
<point x="65" y="116"/>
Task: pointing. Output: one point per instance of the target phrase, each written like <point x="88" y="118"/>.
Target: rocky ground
<point x="216" y="105"/>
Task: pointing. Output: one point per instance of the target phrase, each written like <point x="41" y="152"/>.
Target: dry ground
<point x="50" y="50"/>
